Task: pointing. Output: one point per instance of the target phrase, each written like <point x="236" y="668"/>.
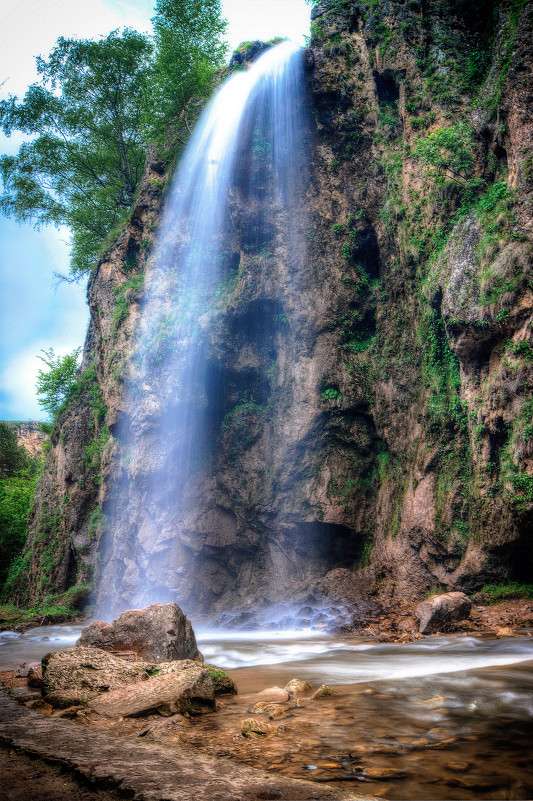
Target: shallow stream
<point x="448" y="717"/>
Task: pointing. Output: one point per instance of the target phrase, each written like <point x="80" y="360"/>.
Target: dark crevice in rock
<point x="386" y="86"/>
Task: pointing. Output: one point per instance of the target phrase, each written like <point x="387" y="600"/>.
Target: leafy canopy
<point x="189" y="49"/>
<point x="91" y="115"/>
<point x="57" y="384"/>
<point x="84" y="165"/>
<point x="13" y="457"/>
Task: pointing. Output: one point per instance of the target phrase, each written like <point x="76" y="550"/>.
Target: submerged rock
<point x="275" y="695"/>
<point x="253" y="726"/>
<point x="323" y="691"/>
<point x="297" y="686"/>
<point x="158" y="633"/>
<point x="440" y="610"/>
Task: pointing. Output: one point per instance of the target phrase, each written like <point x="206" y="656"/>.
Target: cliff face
<point x="380" y="420"/>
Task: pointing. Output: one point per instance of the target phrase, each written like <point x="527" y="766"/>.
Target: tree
<point x="92" y="114"/>
<point x="58" y="383"/>
<point x="189" y="49"/>
<point x="84" y="166"/>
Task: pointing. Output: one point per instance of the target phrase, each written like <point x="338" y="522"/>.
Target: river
<point x="447" y="717"/>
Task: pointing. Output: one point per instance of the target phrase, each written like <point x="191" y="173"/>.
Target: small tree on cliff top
<point x="57" y="384"/>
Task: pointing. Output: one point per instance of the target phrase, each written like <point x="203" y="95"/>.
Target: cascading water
<point x="234" y="193"/>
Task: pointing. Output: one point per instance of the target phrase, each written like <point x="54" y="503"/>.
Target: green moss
<point x="123" y="293"/>
<point x="93" y="454"/>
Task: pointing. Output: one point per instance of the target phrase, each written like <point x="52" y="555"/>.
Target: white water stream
<point x="310" y="655"/>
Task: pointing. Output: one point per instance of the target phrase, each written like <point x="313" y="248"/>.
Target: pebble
<point x="460" y="767"/>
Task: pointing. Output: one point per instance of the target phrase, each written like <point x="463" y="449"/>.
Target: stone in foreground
<point x="73" y="675"/>
<point x="187" y="691"/>
<point x="435" y="613"/>
<point x="158" y="633"/>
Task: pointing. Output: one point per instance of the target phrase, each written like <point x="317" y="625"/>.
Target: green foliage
<point x="438" y="589"/>
<point x="523" y="350"/>
<point x="501" y="592"/>
<point x="85" y="159"/>
<point x="216" y="674"/>
<point x="493" y="98"/>
<point x="447" y="150"/>
<point x="57" y="385"/>
<point x="236" y="417"/>
<point x="442" y="370"/>
<point x="123" y="293"/>
<point x="331" y="394"/>
<point x="16" y="499"/>
<point x="97" y="522"/>
<point x="189" y="50"/>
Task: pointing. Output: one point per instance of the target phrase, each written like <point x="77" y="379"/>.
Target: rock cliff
<point x="381" y="419"/>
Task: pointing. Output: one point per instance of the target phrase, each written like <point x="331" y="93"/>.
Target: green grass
<point x="503" y="592"/>
<point x="11" y="615"/>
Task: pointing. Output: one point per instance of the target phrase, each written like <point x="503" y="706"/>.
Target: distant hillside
<point x="29" y="435"/>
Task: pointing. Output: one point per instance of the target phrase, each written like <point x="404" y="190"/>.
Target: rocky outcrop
<point x="438" y="612"/>
<point x="158" y="633"/>
<point x="114" y="687"/>
<point x="379" y="422"/>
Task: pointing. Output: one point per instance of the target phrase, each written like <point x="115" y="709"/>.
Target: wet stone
<point x="274" y="694"/>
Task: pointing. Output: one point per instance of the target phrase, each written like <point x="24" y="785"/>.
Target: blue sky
<point x="35" y="311"/>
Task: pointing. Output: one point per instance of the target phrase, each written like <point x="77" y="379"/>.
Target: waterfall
<point x="233" y="193"/>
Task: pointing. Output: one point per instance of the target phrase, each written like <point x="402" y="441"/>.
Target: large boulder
<point x="77" y="674"/>
<point x="435" y="613"/>
<point x="159" y="633"/>
<point x="188" y="690"/>
<point x="113" y="687"/>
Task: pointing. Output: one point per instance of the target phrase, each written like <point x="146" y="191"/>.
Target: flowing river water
<point x="447" y="717"/>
